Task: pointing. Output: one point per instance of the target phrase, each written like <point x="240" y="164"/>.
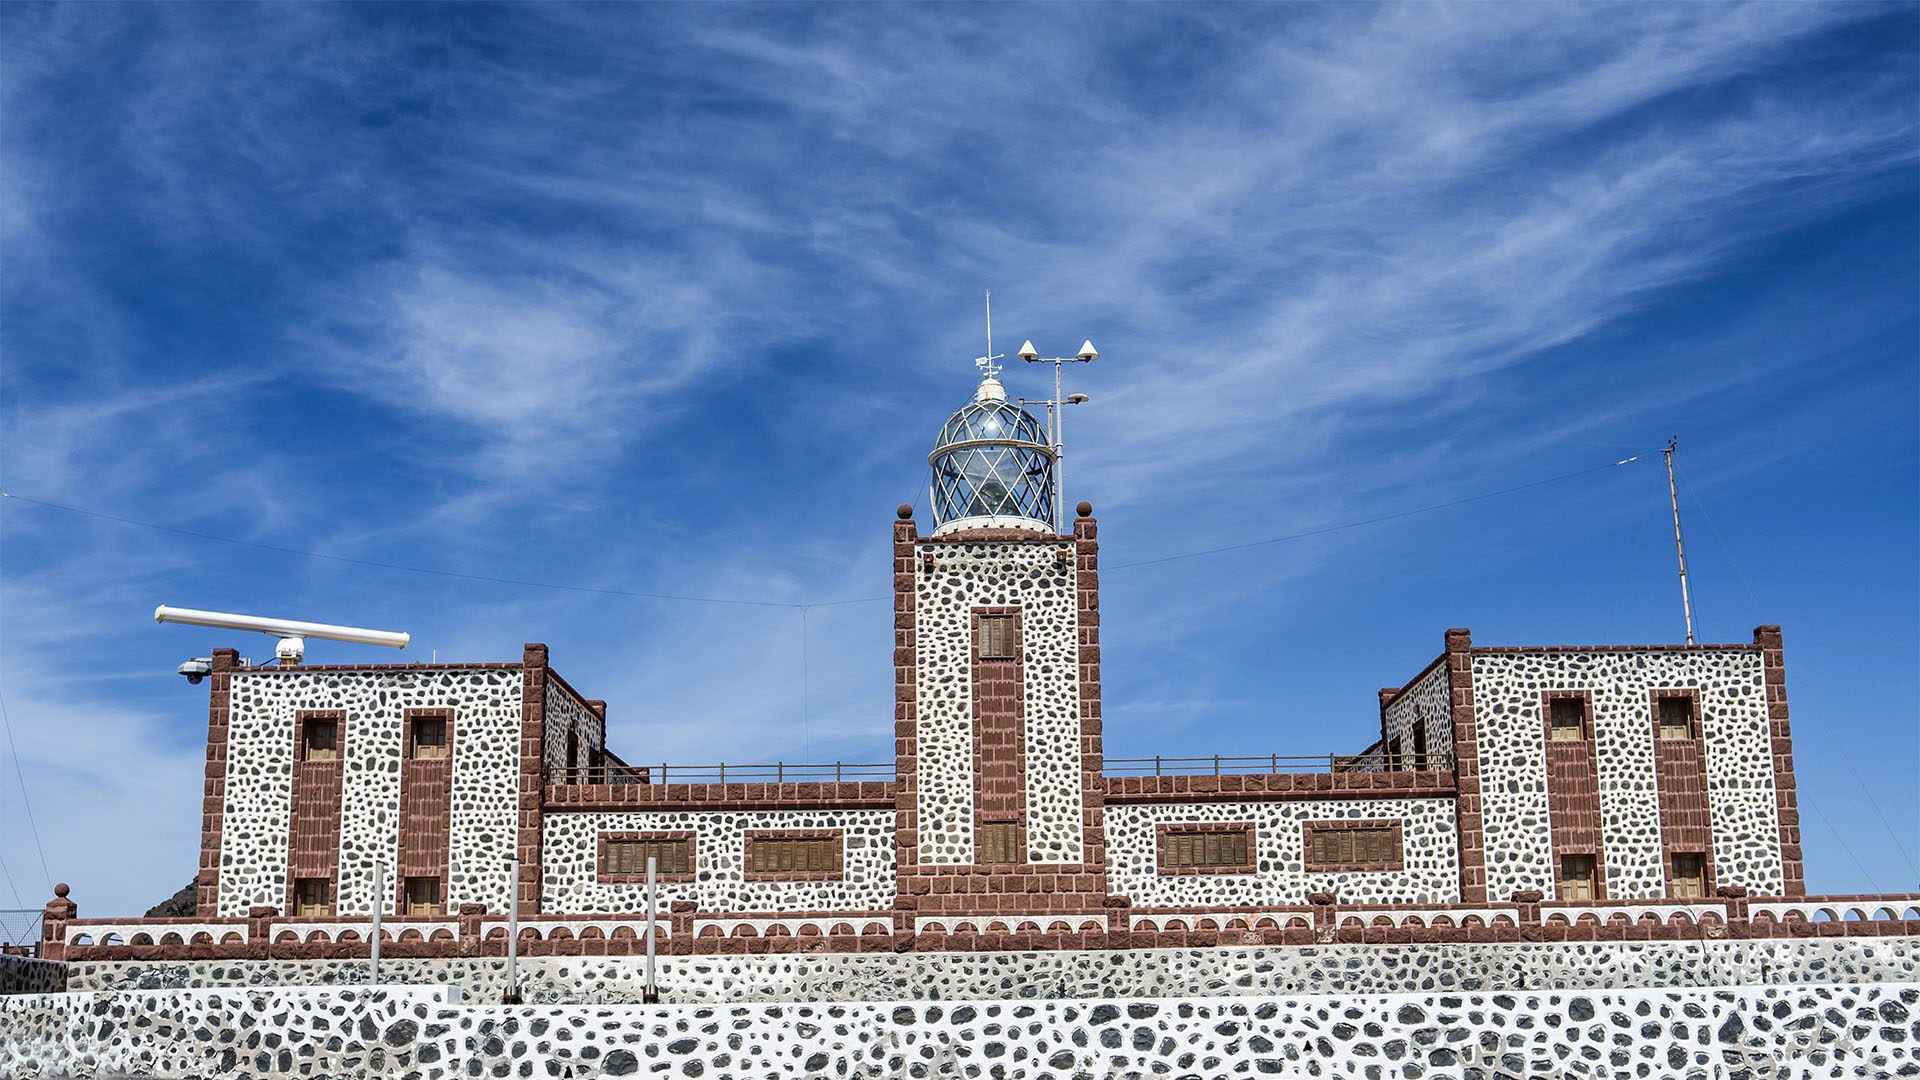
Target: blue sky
<point x="672" y="299"/>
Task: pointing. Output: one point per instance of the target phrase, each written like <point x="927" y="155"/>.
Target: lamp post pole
<point x="513" y="931"/>
<point x="379" y="904"/>
<point x="1058" y="423"/>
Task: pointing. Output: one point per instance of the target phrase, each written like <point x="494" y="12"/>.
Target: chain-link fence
<point x="20" y="927"/>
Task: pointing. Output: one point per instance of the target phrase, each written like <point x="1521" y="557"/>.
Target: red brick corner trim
<point x="1774" y="669"/>
<point x="533" y="765"/>
<point x="213" y="805"/>
<point x="1466" y="768"/>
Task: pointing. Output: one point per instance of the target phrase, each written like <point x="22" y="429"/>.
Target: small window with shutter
<point x="1567" y="718"/>
<point x="1676" y="717"/>
<point x="999" y="844"/>
<point x="423" y="896"/>
<point x="1226" y="848"/>
<point x="312" y="897"/>
<point x="1340" y="846"/>
<point x="428" y="738"/>
<point x="1576" y="877"/>
<point x="320" y="740"/>
<point x="810" y="855"/>
<point x="997" y="638"/>
<point x="625" y="857"/>
<point x="1689" y="878"/>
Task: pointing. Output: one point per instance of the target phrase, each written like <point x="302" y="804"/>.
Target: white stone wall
<point x="571" y="846"/>
<point x="1429" y="841"/>
<point x="1754" y="1031"/>
<point x="1035" y="578"/>
<point x="1513" y="776"/>
<point x="565" y="713"/>
<point x="259" y="798"/>
<point x="1428" y="698"/>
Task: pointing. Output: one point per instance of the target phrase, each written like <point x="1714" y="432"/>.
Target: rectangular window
<point x="320" y="740"/>
<point x="1419" y="744"/>
<point x="429" y="738"/>
<point x="794" y="855"/>
<point x="1332" y="847"/>
<point x="1000" y="844"/>
<point x="997" y="639"/>
<point x="1676" y="717"/>
<point x="1689" y="878"/>
<point x="1567" y="717"/>
<point x="423" y="896"/>
<point x="1576" y="877"/>
<point x="1183" y="850"/>
<point x="630" y="857"/>
<point x="312" y="896"/>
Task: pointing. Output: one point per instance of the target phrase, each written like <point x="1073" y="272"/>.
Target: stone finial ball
<point x="61" y="890"/>
<point x="1085" y="509"/>
<point x="905" y="511"/>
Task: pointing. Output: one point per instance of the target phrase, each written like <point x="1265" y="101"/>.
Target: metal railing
<point x="1219" y="765"/>
<point x="776" y="773"/>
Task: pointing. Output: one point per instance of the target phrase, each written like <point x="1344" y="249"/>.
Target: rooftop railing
<point x="1219" y="765"/>
<point x="777" y="773"/>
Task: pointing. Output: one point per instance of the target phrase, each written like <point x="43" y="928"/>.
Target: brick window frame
<point x="1307" y="829"/>
<point x="838" y="836"/>
<point x="407" y="718"/>
<point x="336" y="717"/>
<point x="1165" y="829"/>
<point x="640" y="877"/>
<point x="1696" y="721"/>
<point x="1584" y="697"/>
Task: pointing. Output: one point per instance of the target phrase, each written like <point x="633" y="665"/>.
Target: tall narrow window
<point x="1676" y="717"/>
<point x="313" y="896"/>
<point x="1394" y="760"/>
<point x="423" y="896"/>
<point x="429" y="738"/>
<point x="320" y="740"/>
<point x="1689" y="877"/>
<point x="1420" y="744"/>
<point x="999" y="844"/>
<point x="1576" y="877"/>
<point x="997" y="639"/>
<point x="1567" y="717"/>
<point x="573" y="752"/>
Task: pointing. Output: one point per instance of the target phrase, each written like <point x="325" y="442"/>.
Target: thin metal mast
<point x="1680" y="548"/>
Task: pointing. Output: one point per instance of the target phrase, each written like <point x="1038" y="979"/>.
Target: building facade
<point x="1649" y="773"/>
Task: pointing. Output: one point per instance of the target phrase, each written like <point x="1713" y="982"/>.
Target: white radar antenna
<point x="292" y="634"/>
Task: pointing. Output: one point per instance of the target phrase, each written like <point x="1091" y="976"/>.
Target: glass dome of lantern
<point x="992" y="466"/>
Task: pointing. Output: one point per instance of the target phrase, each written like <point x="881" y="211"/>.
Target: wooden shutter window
<point x="313" y="897"/>
<point x="1576" y="877"/>
<point x="795" y="855"/>
<point x="999" y="844"/>
<point x="1340" y="848"/>
<point x="1689" y="875"/>
<point x="997" y="639"/>
<point x="1200" y="850"/>
<point x="630" y="857"/>
<point x="423" y="896"/>
<point x="1568" y="719"/>
<point x="1676" y="717"/>
<point x="320" y="741"/>
<point x="429" y="738"/>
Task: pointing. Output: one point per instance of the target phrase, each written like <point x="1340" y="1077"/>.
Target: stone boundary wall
<point x="29" y="975"/>
<point x="1323" y="969"/>
<point x="1770" y="1031"/>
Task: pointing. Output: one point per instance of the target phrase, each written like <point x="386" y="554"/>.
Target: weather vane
<point x="985" y="363"/>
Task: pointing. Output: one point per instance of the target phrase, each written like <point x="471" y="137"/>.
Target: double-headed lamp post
<point x="1057" y="406"/>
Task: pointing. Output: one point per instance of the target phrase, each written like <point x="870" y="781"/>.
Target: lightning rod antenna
<point x="1679" y="547"/>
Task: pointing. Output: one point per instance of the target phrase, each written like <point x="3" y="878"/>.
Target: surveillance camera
<point x="196" y="669"/>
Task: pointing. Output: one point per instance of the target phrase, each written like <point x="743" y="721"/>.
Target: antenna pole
<point x="1680" y="548"/>
<point x="1059" y="451"/>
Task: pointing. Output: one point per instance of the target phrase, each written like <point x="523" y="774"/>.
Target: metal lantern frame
<point x="992" y="460"/>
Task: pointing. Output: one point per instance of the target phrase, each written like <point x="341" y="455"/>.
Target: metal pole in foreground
<point x="1686" y="600"/>
<point x="651" y="995"/>
<point x="379" y="905"/>
<point x="513" y="931"/>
